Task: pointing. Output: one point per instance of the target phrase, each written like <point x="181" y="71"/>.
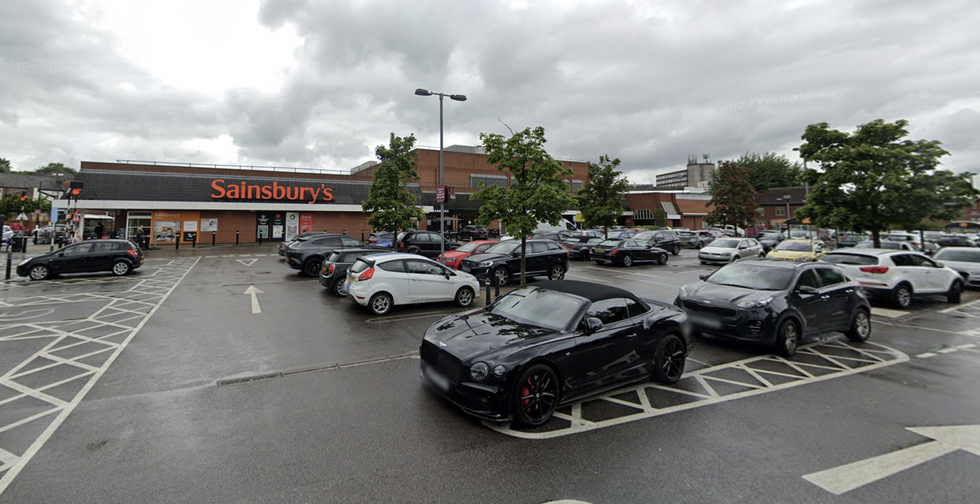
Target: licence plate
<point x="708" y="322"/>
<point x="437" y="379"/>
<point x="599" y="251"/>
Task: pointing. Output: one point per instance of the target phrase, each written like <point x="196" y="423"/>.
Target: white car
<point x="381" y="281"/>
<point x="965" y="260"/>
<point x="7" y="233"/>
<point x="897" y="274"/>
<point x="726" y="250"/>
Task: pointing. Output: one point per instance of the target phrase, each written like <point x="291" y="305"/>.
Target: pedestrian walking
<point x="139" y="237"/>
<point x="99" y="229"/>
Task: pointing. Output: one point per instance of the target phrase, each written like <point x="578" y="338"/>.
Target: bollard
<point x="496" y="287"/>
<point x="260" y="239"/>
<point x="236" y="237"/>
<point x="362" y="235"/>
<point x="10" y="259"/>
<point x="194" y="241"/>
<point x="176" y="241"/>
<point x="212" y="238"/>
<point x="488" y="291"/>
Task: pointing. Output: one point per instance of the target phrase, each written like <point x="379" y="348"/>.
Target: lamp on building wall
<point x="442" y="205"/>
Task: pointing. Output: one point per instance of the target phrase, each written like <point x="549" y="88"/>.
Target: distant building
<point x="694" y="175"/>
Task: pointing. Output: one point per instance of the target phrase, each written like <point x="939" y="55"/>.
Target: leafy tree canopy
<point x="12" y="205"/>
<point x="732" y="196"/>
<point x="5" y="165"/>
<point x="602" y="198"/>
<point x="393" y="205"/>
<point x="55" y="168"/>
<point x="875" y="179"/>
<point x="769" y="170"/>
<point x="538" y="191"/>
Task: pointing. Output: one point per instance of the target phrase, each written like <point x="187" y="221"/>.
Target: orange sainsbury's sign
<point x="272" y="192"/>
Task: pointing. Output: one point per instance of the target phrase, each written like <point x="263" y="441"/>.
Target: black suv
<point x="284" y="245"/>
<point x="780" y="303"/>
<point x="424" y="243"/>
<point x="469" y="233"/>
<point x="503" y="261"/>
<point x="118" y="256"/>
<point x="307" y="255"/>
<point x="333" y="274"/>
<point x="666" y="239"/>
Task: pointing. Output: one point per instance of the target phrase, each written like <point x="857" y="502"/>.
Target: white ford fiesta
<point x="383" y="280"/>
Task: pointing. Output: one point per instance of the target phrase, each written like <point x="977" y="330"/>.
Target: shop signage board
<point x="292" y="225"/>
<point x="305" y="222"/>
<point x="225" y="190"/>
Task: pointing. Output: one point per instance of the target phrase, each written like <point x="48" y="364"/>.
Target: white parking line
<point x="926" y="355"/>
<point x="713" y="385"/>
<point x="119" y="312"/>
<point x="960" y="307"/>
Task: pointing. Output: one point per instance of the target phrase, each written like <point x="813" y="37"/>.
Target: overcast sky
<point x="317" y="83"/>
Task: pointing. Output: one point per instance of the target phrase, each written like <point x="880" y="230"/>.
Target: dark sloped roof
<point x="591" y="291"/>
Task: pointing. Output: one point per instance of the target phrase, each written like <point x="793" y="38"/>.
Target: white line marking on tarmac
<point x="247" y="262"/>
<point x="255" y="298"/>
<point x="959" y="307"/>
<point x="947" y="350"/>
<point x="926" y="355"/>
<point x="884" y="312"/>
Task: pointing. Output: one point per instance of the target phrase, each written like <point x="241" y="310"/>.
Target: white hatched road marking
<point x="814" y="363"/>
<point x="112" y="327"/>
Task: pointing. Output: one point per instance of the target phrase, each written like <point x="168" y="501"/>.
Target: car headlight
<point x="452" y="259"/>
<point x="479" y="371"/>
<point x="758" y="303"/>
<point x="23" y="262"/>
<point x="683" y="291"/>
<point x="484" y="264"/>
<point x="500" y="371"/>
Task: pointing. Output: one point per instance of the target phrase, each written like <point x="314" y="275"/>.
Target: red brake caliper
<point x="525" y="391"/>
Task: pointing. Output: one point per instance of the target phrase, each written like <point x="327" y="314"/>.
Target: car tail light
<point x="401" y="245"/>
<point x="878" y="270"/>
<point x="132" y="253"/>
<point x="372" y="239"/>
<point x="331" y="268"/>
<point x="368" y="273"/>
<point x="614" y="251"/>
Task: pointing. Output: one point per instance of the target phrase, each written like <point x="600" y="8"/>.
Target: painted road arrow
<point x="855" y="475"/>
<point x="247" y="262"/>
<point x="255" y="299"/>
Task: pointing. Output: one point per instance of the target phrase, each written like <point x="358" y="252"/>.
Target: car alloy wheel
<point x="311" y="267"/>
<point x="557" y="272"/>
<point x="627" y="260"/>
<point x="502" y="276"/>
<point x="788" y="338"/>
<point x="414" y="250"/>
<point x="677" y="249"/>
<point x="671" y="356"/>
<point x="120" y="268"/>
<point x="39" y="272"/>
<point x="860" y="329"/>
<point x="536" y="396"/>
<point x="700" y="244"/>
<point x="585" y="255"/>
<point x="662" y="259"/>
<point x="903" y="296"/>
<point x="380" y="303"/>
<point x="338" y="287"/>
<point x="464" y="297"/>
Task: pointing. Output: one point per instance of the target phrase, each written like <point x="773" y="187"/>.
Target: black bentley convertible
<point x="548" y="344"/>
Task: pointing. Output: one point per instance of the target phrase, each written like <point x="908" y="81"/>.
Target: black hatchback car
<point x="333" y="273"/>
<point x="548" y="344"/>
<point x="666" y="239"/>
<point x="627" y="252"/>
<point x="502" y="261"/>
<point x="470" y="233"/>
<point x="779" y="303"/>
<point x="308" y="255"/>
<point x="117" y="256"/>
<point x="425" y="243"/>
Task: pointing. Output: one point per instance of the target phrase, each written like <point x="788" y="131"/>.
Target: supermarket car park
<point x="221" y="374"/>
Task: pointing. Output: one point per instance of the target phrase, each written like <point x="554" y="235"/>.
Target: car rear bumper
<point x="294" y="262"/>
<point x="603" y="257"/>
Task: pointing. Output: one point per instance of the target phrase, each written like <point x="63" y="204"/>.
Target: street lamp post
<point x="442" y="205"/>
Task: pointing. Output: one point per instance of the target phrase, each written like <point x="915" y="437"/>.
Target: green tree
<point x="393" y="205"/>
<point x="769" y="170"/>
<point x="12" y="205"/>
<point x="56" y="168"/>
<point x="659" y="218"/>
<point x="733" y="196"/>
<point x="5" y="166"/>
<point x="538" y="191"/>
<point x="875" y="179"/>
<point x="602" y="199"/>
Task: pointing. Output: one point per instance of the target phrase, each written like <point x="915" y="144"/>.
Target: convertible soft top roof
<point x="591" y="291"/>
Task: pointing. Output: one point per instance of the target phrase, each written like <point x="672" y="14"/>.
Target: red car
<point x="455" y="257"/>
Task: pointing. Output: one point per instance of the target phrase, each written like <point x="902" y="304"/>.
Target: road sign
<point x="21" y="216"/>
<point x="440" y="194"/>
<point x="946" y="439"/>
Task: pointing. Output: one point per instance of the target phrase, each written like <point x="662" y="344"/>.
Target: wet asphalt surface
<point x="346" y="419"/>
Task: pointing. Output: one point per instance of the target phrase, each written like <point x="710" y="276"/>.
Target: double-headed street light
<point x="442" y="204"/>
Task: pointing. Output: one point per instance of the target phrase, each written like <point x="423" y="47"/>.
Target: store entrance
<point x="136" y="220"/>
<point x="270" y="226"/>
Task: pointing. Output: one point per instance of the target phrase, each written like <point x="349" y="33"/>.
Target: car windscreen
<point x="538" y="307"/>
<point x="504" y="248"/>
<point x="361" y="264"/>
<point x="958" y="255"/>
<point x="850" y="259"/>
<point x="794" y="246"/>
<point x="645" y="235"/>
<point x="469" y="247"/>
<point x="768" y="236"/>
<point x="752" y="277"/>
<point x="725" y="243"/>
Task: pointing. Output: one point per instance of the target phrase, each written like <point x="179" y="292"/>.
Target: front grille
<point x="724" y="312"/>
<point x="441" y="361"/>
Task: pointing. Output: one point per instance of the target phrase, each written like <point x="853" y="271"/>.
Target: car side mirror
<point x="703" y="277"/>
<point x="516" y="253"/>
<point x="592" y="324"/>
<point x="806" y="289"/>
<point x="939" y="264"/>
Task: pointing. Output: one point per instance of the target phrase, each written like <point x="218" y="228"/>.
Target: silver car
<point x="726" y="250"/>
<point x="965" y="260"/>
